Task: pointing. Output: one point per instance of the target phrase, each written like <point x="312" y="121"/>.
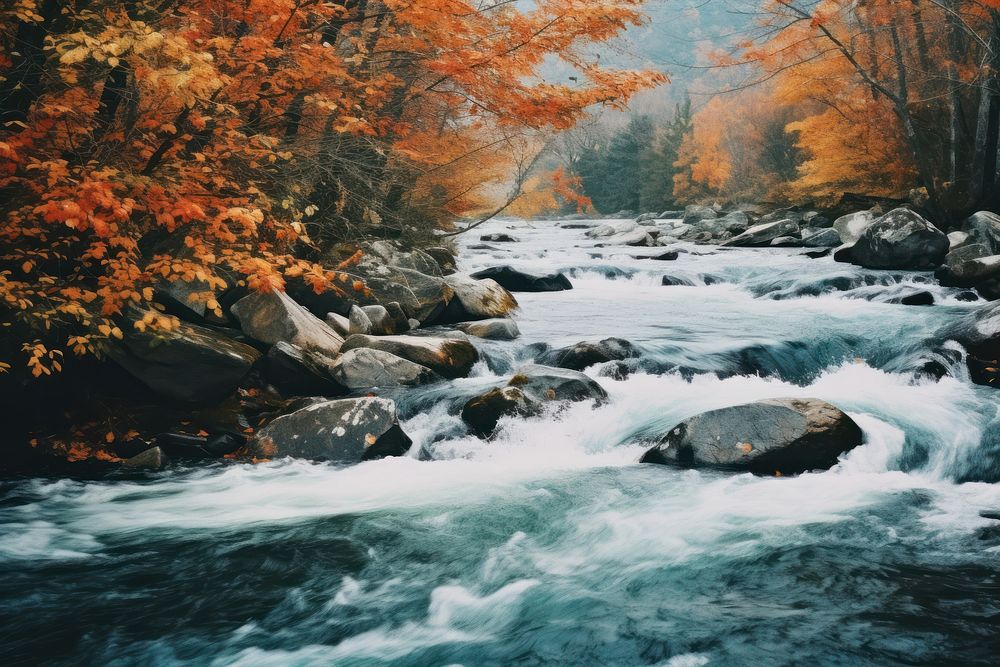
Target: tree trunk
<point x="22" y="83"/>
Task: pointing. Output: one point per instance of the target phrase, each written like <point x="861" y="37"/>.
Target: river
<point x="550" y="544"/>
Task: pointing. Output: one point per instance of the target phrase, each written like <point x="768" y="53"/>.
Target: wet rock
<point x="634" y="238"/>
<point x="735" y="222"/>
<point x="339" y="323"/>
<point x="518" y="281"/>
<point x="612" y="229"/>
<point x="967" y="296"/>
<point x="762" y="235"/>
<point x="675" y="281"/>
<point x="968" y="266"/>
<point x="151" y="459"/>
<point x="850" y="227"/>
<point x="918" y="299"/>
<point x="984" y="227"/>
<point x="498" y="238"/>
<point x="400" y="322"/>
<point x="186" y="446"/>
<point x="819" y="254"/>
<point x="786" y="242"/>
<point x="446" y="357"/>
<point x="900" y="239"/>
<point x="500" y="328"/>
<point x="786" y="436"/>
<point x="790" y="213"/>
<point x="671" y="215"/>
<point x="444" y="257"/>
<point x="273" y="317"/>
<point x="586" y="354"/>
<point x="826" y="238"/>
<point x="393" y="253"/>
<point x="342" y="431"/>
<point x="668" y="256"/>
<point x="545" y="383"/>
<point x="958" y="240"/>
<point x="696" y="214"/>
<point x="476" y="300"/>
<point x="364" y="368"/>
<point x="190" y="363"/>
<point x="421" y="296"/>
<point x="482" y="413"/>
<point x="297" y="372"/>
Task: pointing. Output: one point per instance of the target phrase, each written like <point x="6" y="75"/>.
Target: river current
<point x="551" y="544"/>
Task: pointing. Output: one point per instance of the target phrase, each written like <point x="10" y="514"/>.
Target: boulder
<point x="421" y="296"/>
<point x="444" y="257"/>
<point x="499" y="328"/>
<point x="358" y="321"/>
<point x="394" y="254"/>
<point x="525" y="393"/>
<point x="958" y="240"/>
<point x="984" y="227"/>
<point x="294" y="371"/>
<point x="498" y="238"/>
<point x="900" y="239"/>
<point x="612" y="229"/>
<point x="695" y="214"/>
<point x="586" y="354"/>
<point x="190" y="363"/>
<point x="763" y="234"/>
<point x="476" y="300"/>
<point x="671" y="215"/>
<point x="784" y="436"/>
<point x="151" y="459"/>
<point x="400" y="322"/>
<point x="853" y="225"/>
<point x="790" y="213"/>
<point x="342" y="431"/>
<point x="923" y="298"/>
<point x="339" y="323"/>
<point x="636" y="237"/>
<point x="968" y="266"/>
<point x="447" y="357"/>
<point x="825" y="238"/>
<point x="482" y="412"/>
<point x="364" y="368"/>
<point x="270" y="317"/>
<point x="382" y="323"/>
<point x="735" y="222"/>
<point x="517" y="281"/>
<point x="646" y="217"/>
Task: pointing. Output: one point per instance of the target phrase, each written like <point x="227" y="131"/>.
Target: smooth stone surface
<point x="364" y="368"/>
<point x="447" y="357"/>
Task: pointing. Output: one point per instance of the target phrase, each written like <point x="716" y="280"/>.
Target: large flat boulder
<point x="192" y="364"/>
<point x="984" y="227"/>
<point x="900" y="239"/>
<point x="297" y="372"/>
<point x="447" y="357"/>
<point x="518" y="281"/>
<point x="347" y="430"/>
<point x="272" y="317"/>
<point x="783" y="436"/>
<point x="366" y="368"/>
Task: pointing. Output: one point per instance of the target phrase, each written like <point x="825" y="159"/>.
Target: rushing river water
<point x="551" y="544"/>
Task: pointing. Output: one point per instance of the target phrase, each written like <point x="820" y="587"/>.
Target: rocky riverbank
<point x="316" y="375"/>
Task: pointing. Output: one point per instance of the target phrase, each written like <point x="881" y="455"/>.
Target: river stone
<point x="270" y="317"/>
<point x="393" y="254"/>
<point x="583" y="355"/>
<point x="421" y="296"/>
<point x="364" y="368"/>
<point x="297" y="372"/>
<point x="968" y="266"/>
<point x="900" y="239"/>
<point x="853" y="225"/>
<point x="612" y="229"/>
<point x="984" y="227"/>
<point x="192" y="364"/>
<point x="339" y="323"/>
<point x="764" y="234"/>
<point x="786" y="436"/>
<point x="499" y="328"/>
<point x="476" y="300"/>
<point x="343" y="431"/>
<point x="382" y="323"/>
<point x="444" y="257"/>
<point x="958" y="240"/>
<point x="735" y="222"/>
<point x="151" y="459"/>
<point x="446" y="357"/>
<point x="359" y="321"/>
<point x="481" y="413"/>
<point x="498" y="238"/>
<point x="634" y="238"/>
<point x="545" y="383"/>
<point x="825" y="238"/>
<point x="518" y="281"/>
<point x="695" y="214"/>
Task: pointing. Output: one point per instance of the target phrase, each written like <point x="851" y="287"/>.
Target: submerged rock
<point x="447" y="357"/>
<point x="518" y="281"/>
<point x="498" y="238"/>
<point x="785" y="436"/>
<point x="343" y="431"/>
<point x="900" y="239"/>
<point x="586" y="354"/>
<point x="525" y="394"/>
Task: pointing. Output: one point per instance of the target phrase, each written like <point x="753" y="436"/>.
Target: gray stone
<point x="448" y="358"/>
<point x="476" y="300"/>
<point x="382" y="323"/>
<point x="297" y="372"/>
<point x="583" y="355"/>
<point x="339" y="323"/>
<point x="784" y="436"/>
<point x="499" y="328"/>
<point x="958" y="240"/>
<point x="151" y="459"/>
<point x="545" y="383"/>
<point x="984" y="227"/>
<point x="364" y="368"/>
<point x="825" y="238"/>
<point x="358" y="321"/>
<point x="694" y="214"/>
<point x="343" y="431"/>
<point x="853" y="225"/>
<point x="900" y="239"/>
<point x="273" y="316"/>
<point x="762" y="235"/>
<point x="482" y="413"/>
